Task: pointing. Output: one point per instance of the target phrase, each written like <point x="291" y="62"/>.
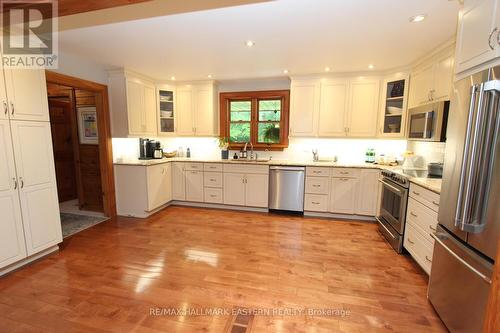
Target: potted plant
<point x="224" y="145"/>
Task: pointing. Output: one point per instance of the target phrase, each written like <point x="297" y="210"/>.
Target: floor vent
<point x="240" y="322"/>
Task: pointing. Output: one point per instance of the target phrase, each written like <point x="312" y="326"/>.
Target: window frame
<point x="254" y="97"/>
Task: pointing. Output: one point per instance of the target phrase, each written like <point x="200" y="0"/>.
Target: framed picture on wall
<point x="87" y="125"/>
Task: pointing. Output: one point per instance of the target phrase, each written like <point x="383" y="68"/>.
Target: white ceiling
<point x="303" y="36"/>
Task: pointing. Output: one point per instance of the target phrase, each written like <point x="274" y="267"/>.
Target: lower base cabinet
<point x="343" y="195"/>
<point x="194" y="185"/>
<point x="234" y="189"/>
<point x="246" y="185"/>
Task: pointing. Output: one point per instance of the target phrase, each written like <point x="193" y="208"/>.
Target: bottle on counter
<point x="188" y="153"/>
<point x="180" y="152"/>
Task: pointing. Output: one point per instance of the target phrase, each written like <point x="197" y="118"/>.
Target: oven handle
<point x="394" y="188"/>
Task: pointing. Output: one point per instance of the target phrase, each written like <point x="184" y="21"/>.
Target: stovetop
<point x="400" y="176"/>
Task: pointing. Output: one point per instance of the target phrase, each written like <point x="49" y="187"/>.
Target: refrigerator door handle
<point x="463" y="262"/>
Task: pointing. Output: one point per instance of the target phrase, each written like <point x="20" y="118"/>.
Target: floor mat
<point x="74" y="223"/>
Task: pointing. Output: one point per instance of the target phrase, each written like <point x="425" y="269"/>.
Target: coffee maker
<point x="146" y="149"/>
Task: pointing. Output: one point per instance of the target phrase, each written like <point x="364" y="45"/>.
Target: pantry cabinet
<point x="431" y="81"/>
<point x="197" y="113"/>
<point x="478" y="39"/>
<point x="34" y="162"/>
<point x="335" y="107"/>
<point x="132" y="105"/>
<point x="11" y="225"/>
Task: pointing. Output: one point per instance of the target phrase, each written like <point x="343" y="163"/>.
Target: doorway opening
<point x="79" y="118"/>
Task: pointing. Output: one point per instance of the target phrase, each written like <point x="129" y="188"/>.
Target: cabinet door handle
<point x="316" y="185"/>
<point x="432" y="228"/>
<point x="491" y="35"/>
<point x="410" y="241"/>
<point x="413" y="214"/>
<point x="12" y="108"/>
<point x="315" y="203"/>
<point x="5" y="107"/>
<point x="22" y="181"/>
<point x="435" y="202"/>
<point x="212" y="179"/>
<point x="15" y="183"/>
<point x="427" y="258"/>
<point x="416" y="193"/>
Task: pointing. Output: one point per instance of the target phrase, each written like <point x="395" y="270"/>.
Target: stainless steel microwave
<point x="428" y="122"/>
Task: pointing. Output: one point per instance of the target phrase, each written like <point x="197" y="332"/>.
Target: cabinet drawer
<point x="212" y="167"/>
<point x="316" y="202"/>
<point x="345" y="173"/>
<point x="212" y="179"/>
<point x="419" y="248"/>
<point x="424" y="196"/>
<point x="242" y="168"/>
<point x="423" y="217"/>
<point x="193" y="166"/>
<point x="317" y="185"/>
<point x="213" y="195"/>
<point x="318" y="171"/>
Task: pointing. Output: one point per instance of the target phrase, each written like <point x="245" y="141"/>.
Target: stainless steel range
<point x="391" y="221"/>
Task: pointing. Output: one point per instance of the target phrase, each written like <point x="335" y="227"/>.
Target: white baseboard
<point x="218" y="206"/>
<point x="28" y="260"/>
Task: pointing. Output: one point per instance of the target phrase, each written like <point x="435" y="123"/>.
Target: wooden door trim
<point x="103" y="123"/>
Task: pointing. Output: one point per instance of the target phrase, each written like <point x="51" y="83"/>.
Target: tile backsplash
<point x="428" y="151"/>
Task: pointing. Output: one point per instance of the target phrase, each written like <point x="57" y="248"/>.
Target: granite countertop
<point x="432" y="184"/>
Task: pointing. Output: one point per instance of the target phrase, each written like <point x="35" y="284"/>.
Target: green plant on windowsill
<point x="223" y="142"/>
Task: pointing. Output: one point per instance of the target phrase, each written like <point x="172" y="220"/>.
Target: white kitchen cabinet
<point x="194" y="185"/>
<point x="197" y="114"/>
<point x="178" y="181"/>
<point x="159" y="180"/>
<point x="304" y="107"/>
<point x="234" y="189"/>
<point x="12" y="241"/>
<point x="167" y="109"/>
<point x="368" y="193"/>
<point x="431" y="81"/>
<point x="343" y="195"/>
<point x="34" y="160"/>
<point x="363" y="99"/>
<point x="333" y="108"/>
<point x="393" y="111"/>
<point x="256" y="188"/>
<point x="27" y="94"/>
<point x="132" y="105"/>
<point x="478" y="34"/>
<point x="4" y="103"/>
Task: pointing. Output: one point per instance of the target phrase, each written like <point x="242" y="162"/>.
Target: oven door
<point x="393" y="205"/>
<point x="421" y="125"/>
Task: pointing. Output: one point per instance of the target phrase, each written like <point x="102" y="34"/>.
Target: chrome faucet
<point x="315" y="155"/>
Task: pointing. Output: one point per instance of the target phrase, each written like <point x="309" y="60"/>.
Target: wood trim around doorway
<point x="103" y="123"/>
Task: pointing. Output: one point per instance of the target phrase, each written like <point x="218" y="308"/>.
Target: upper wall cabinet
<point x="167" y="111"/>
<point x="431" y="81"/>
<point x="393" y="111"/>
<point x="197" y="113"/>
<point x="334" y="107"/>
<point x="132" y="105"/>
<point x="478" y="35"/>
<point x="24" y="95"/>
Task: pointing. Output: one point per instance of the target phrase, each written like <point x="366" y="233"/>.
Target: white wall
<point x="82" y="68"/>
<point x="254" y="85"/>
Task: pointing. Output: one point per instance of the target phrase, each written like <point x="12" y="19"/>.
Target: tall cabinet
<point x="30" y="221"/>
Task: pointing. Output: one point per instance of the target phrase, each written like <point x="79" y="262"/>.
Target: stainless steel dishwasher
<point x="286" y="188"/>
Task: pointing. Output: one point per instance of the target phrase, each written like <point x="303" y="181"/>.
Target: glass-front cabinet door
<point x="393" y="117"/>
<point x="166" y="110"/>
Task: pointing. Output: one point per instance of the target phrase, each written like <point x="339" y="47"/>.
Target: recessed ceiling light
<point x="285" y="71"/>
<point x="250" y="43"/>
<point x="370" y="66"/>
<point x="327" y="69"/>
<point x="418" y="18"/>
<point x="172" y="78"/>
<point x="209" y="76"/>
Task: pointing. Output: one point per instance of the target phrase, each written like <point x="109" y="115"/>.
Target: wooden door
<point x="333" y="108"/>
<point x="135" y="108"/>
<point x="206" y="120"/>
<point x="150" y="111"/>
<point x="476" y="39"/>
<point x="184" y="111"/>
<point x="343" y="195"/>
<point x="27" y="94"/>
<point x="178" y="181"/>
<point x="12" y="241"/>
<point x="256" y="190"/>
<point x="194" y="186"/>
<point x="234" y="189"/>
<point x="37" y="185"/>
<point x="62" y="142"/>
<point x="363" y="110"/>
<point x="304" y="108"/>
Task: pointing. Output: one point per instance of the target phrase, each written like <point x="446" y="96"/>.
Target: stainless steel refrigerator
<point x="469" y="212"/>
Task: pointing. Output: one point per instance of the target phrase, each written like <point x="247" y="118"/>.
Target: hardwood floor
<point x="110" y="277"/>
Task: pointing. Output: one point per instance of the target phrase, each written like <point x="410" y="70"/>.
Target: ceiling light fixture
<point x="418" y="18"/>
<point x="327" y="69"/>
<point x="285" y="71"/>
<point x="209" y="76"/>
<point x="250" y="43"/>
<point x="172" y="78"/>
<point x="370" y="66"/>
